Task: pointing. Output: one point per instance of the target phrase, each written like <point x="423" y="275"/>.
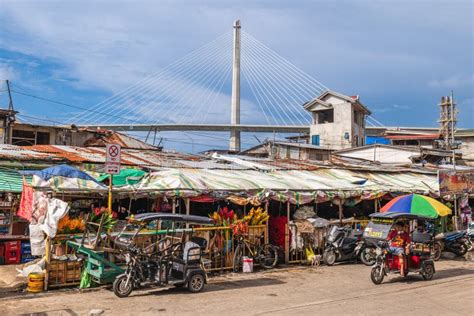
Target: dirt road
<point x="344" y="289"/>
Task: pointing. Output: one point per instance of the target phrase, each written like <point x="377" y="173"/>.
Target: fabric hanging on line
<point x="26" y="202"/>
<point x="47" y="222"/>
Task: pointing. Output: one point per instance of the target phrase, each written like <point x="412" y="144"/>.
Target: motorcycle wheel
<point x="436" y="251"/>
<point x="237" y="262"/>
<point x="366" y="257"/>
<point x="196" y="283"/>
<point x="377" y="275"/>
<point x="329" y="257"/>
<point x="268" y="256"/>
<point x="120" y="287"/>
<point x="428" y="272"/>
<point x="462" y="250"/>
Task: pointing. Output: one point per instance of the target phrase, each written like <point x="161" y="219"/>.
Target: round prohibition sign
<point x="113" y="151"/>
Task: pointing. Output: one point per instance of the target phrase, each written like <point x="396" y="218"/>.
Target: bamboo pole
<point x="266" y="211"/>
<point x="287" y="233"/>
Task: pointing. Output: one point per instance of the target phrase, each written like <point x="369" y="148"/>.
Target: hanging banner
<point x="456" y="181"/>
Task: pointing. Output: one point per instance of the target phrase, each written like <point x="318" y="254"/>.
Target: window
<point x="29" y="138"/>
<point x="42" y="138"/>
<point x="315" y="140"/>
<point x="325" y="116"/>
<point x="23" y="138"/>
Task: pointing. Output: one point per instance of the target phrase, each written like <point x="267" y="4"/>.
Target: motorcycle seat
<point x="350" y="240"/>
<point x="421" y="238"/>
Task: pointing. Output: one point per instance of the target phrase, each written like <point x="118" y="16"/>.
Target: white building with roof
<point x="338" y="120"/>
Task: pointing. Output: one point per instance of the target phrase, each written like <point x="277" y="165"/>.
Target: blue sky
<point x="399" y="56"/>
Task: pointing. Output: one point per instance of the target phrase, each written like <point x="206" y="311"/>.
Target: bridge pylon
<point x="234" y="142"/>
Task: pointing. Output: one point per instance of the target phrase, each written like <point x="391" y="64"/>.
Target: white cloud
<point x="7" y="72"/>
<point x="452" y="82"/>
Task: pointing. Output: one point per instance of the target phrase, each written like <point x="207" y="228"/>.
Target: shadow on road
<point x="219" y="286"/>
<point x="439" y="275"/>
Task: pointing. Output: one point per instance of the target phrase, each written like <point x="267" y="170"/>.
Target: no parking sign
<point x="112" y="159"/>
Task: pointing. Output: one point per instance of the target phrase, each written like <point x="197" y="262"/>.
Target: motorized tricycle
<point x="417" y="260"/>
<point x="174" y="260"/>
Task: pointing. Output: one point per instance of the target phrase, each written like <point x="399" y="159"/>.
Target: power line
<point x="65" y="104"/>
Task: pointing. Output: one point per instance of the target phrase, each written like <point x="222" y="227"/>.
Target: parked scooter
<point x="341" y="246"/>
<point x="456" y="242"/>
<point x="368" y="254"/>
<point x="470" y="235"/>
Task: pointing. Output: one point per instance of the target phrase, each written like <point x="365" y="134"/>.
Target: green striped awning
<point x="11" y="180"/>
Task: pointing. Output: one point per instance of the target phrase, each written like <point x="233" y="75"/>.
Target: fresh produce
<point x="69" y="225"/>
<point x="256" y="216"/>
<point x="223" y="217"/>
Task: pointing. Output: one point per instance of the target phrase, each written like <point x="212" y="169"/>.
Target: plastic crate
<point x="12" y="252"/>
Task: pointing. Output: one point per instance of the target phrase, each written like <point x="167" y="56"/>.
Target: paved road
<point x="344" y="289"/>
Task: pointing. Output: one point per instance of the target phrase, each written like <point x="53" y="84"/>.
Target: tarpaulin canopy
<point x="64" y="178"/>
<point x="11" y="180"/>
<point x="64" y="171"/>
<point x="298" y="186"/>
<point x="127" y="176"/>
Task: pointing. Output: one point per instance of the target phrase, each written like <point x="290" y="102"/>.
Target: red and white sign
<point x="112" y="158"/>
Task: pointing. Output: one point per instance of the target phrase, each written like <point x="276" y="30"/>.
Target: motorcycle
<point x="175" y="263"/>
<point x="418" y="261"/>
<point x="456" y="242"/>
<point x="340" y="246"/>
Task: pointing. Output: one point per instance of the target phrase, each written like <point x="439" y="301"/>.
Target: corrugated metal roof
<point x="23" y="153"/>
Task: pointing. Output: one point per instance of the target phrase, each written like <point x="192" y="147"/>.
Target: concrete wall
<point x="331" y="135"/>
<point x="467" y="147"/>
<point x="382" y="154"/>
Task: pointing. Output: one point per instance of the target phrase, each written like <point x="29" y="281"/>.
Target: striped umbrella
<point x="417" y="205"/>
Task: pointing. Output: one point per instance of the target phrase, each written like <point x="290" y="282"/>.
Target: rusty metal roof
<point x="12" y="152"/>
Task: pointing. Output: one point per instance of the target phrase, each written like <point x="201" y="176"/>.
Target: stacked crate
<point x="2" y="253"/>
<point x="12" y="252"/>
<point x="26" y="253"/>
<point x="61" y="273"/>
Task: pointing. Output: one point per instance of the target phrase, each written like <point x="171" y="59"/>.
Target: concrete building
<point x="466" y="137"/>
<point x="289" y="150"/>
<point x="338" y="121"/>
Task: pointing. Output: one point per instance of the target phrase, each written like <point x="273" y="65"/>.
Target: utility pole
<point x="235" y="99"/>
<point x="10" y="103"/>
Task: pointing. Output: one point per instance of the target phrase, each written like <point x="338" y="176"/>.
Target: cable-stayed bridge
<point x="234" y="83"/>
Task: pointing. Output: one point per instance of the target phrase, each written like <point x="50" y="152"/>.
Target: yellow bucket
<point x="35" y="282"/>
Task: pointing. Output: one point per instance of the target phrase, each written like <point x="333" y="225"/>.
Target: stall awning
<point x="11" y="181"/>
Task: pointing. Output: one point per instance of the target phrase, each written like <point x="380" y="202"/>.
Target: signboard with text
<point x="112" y="158"/>
<point x="456" y="182"/>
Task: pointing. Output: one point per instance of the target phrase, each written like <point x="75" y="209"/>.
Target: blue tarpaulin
<point x="59" y="171"/>
<point x="369" y="140"/>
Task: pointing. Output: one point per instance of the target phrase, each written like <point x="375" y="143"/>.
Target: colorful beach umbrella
<point x="417" y="205"/>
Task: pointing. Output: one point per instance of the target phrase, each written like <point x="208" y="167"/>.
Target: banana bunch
<point x="310" y="256"/>
<point x="257" y="216"/>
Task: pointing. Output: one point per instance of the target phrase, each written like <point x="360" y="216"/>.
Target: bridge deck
<point x="202" y="127"/>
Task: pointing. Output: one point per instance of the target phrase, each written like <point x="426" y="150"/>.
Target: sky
<point x="400" y="57"/>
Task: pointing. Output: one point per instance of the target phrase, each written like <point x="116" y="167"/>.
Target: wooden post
<point x="340" y="212"/>
<point x="376" y="205"/>
<point x="287" y="233"/>
<point x="266" y="210"/>
<point x="47" y="255"/>
<point x="187" y="203"/>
